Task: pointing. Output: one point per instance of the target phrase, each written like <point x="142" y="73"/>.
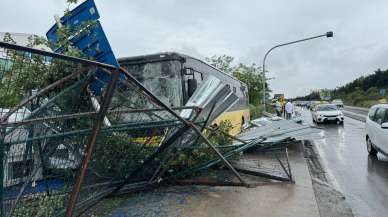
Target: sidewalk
<point x="277" y="200"/>
<point x="271" y="200"/>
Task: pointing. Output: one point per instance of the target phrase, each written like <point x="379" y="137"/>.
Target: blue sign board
<point x="93" y="42"/>
<point x="382" y="92"/>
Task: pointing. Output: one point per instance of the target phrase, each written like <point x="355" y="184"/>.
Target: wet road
<point x="362" y="179"/>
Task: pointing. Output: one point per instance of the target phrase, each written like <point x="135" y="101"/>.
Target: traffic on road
<point x="361" y="176"/>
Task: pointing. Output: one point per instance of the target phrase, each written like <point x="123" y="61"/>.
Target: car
<point x="376" y="128"/>
<point x="327" y="113"/>
<point x="338" y="103"/>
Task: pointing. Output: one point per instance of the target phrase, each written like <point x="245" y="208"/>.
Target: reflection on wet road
<point x="362" y="179"/>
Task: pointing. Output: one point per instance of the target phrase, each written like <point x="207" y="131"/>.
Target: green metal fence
<point x="64" y="148"/>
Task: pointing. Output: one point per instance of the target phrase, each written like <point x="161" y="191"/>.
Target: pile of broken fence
<point x="276" y="129"/>
<point x="271" y="137"/>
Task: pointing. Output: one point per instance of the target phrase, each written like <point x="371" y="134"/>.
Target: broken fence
<point x="64" y="148"/>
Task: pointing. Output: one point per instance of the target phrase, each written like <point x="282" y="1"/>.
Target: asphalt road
<point x="361" y="178"/>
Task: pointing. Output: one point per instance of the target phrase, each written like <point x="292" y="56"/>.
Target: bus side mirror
<point x="384" y="125"/>
<point x="191" y="86"/>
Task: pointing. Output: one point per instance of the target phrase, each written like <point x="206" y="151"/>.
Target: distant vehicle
<point x="308" y="104"/>
<point x="338" y="103"/>
<point x="327" y="113"/>
<point x="304" y="103"/>
<point x="298" y="103"/>
<point x="376" y="128"/>
<point x="313" y="104"/>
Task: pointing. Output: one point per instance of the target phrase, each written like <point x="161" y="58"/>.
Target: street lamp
<point x="327" y="35"/>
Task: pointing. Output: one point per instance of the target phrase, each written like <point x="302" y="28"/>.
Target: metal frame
<point x="2" y="148"/>
<point x="4" y="118"/>
<point x="130" y="183"/>
<point x="90" y="147"/>
<point x="184" y="121"/>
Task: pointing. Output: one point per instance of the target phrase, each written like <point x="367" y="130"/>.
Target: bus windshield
<point x="162" y="78"/>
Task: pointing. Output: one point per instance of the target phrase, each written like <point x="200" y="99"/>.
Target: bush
<point x="373" y="93"/>
<point x="256" y="111"/>
<point x="219" y="138"/>
<point x="117" y="153"/>
<point x="41" y="206"/>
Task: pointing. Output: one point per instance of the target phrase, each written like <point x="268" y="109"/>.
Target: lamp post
<point x="327" y="35"/>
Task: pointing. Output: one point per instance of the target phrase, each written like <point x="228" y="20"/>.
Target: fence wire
<point x="46" y="117"/>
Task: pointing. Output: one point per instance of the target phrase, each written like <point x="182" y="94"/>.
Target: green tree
<point x="25" y="73"/>
<point x="373" y="93"/>
<point x="249" y="74"/>
<point x="223" y="63"/>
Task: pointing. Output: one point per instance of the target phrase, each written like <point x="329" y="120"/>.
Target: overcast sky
<point x="242" y="29"/>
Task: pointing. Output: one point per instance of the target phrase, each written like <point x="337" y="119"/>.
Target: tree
<point x="25" y="73"/>
<point x="249" y="74"/>
<point x="362" y="91"/>
<point x="313" y="95"/>
<point x="223" y="63"/>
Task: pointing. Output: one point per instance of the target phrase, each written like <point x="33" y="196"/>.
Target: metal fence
<point x="73" y="131"/>
<point x="63" y="145"/>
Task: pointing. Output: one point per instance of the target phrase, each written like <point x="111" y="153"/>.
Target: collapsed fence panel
<point x="64" y="148"/>
<point x="42" y="142"/>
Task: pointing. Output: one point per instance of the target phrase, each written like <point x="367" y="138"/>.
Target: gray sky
<point x="242" y="29"/>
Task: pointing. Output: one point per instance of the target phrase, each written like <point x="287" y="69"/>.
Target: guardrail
<point x="359" y="110"/>
<point x="359" y="117"/>
<point x="357" y="113"/>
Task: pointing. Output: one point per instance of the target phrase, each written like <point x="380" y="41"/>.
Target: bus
<point x="173" y="77"/>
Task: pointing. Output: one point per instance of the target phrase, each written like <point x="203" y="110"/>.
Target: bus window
<point x="192" y="80"/>
<point x="162" y="78"/>
<point x="198" y="76"/>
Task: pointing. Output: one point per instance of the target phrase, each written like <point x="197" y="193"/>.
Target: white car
<point x="376" y="127"/>
<point x="338" y="103"/>
<point x="327" y="113"/>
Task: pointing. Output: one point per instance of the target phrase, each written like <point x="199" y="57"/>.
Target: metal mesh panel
<point x="49" y="118"/>
<point x="133" y="130"/>
<point x="46" y="119"/>
<point x="64" y="147"/>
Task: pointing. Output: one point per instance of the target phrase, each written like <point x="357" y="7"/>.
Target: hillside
<point x="363" y="91"/>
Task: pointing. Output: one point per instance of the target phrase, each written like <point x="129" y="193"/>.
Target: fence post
<point x="92" y="142"/>
<point x="2" y="137"/>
